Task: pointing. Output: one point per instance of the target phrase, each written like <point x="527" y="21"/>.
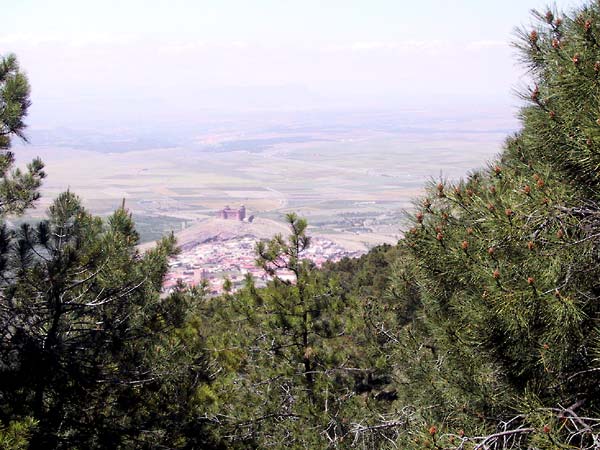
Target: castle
<point x="228" y="213"/>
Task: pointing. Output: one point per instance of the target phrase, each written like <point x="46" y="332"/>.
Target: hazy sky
<point x="134" y="60"/>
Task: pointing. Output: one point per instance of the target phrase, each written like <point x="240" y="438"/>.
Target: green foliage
<point x="91" y="354"/>
<point x="14" y="95"/>
<point x="288" y="355"/>
<point x="18" y="189"/>
<point x="563" y="55"/>
<point x="505" y="266"/>
<point x="368" y="275"/>
<point x="89" y="349"/>
<point x="15" y="436"/>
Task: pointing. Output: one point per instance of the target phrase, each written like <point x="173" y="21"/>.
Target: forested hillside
<point x="480" y="329"/>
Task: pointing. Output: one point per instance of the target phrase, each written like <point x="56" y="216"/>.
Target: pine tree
<point x="89" y="349"/>
<point x="504" y="348"/>
<point x="91" y="355"/>
<point x="18" y="189"/>
<point x="287" y="354"/>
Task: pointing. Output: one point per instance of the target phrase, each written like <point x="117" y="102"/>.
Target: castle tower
<point x="230" y="213"/>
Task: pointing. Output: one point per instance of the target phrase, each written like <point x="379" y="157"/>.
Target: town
<point x="214" y="261"/>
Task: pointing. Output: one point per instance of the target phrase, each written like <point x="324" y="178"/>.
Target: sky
<point x="130" y="61"/>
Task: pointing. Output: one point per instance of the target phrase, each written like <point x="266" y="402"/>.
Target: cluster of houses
<point x="213" y="262"/>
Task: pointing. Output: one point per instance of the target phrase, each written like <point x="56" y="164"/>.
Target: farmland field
<point x="352" y="180"/>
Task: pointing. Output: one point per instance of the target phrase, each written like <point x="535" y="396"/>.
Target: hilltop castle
<point x="228" y="213"/>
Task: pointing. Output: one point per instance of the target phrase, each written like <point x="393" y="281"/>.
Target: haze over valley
<point x="351" y="174"/>
<point x="184" y="110"/>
